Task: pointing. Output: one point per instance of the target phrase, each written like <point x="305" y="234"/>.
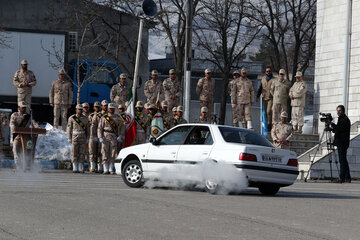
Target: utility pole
<point x="188" y="55"/>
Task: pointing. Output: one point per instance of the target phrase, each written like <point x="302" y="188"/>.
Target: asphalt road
<point x="62" y="205"/>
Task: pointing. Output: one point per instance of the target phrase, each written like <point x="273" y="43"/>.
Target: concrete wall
<point x="329" y="59"/>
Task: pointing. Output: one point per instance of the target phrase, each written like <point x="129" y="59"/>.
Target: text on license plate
<point x="270" y="158"/>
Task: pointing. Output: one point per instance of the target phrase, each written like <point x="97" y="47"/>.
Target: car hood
<point x="133" y="150"/>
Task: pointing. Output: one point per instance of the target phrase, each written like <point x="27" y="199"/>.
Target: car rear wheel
<point x="269" y="189"/>
<point x="132" y="174"/>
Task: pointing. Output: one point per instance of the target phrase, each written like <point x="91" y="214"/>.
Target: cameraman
<point x="342" y="141"/>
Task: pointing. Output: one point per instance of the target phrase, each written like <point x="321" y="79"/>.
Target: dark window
<point x="238" y="135"/>
<point x="200" y="135"/>
<point x="175" y="137"/>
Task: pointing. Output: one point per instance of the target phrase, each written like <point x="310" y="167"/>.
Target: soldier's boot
<point x="249" y="125"/>
<point x="75" y="167"/>
<point x="300" y="130"/>
<point x="106" y="168"/>
<point x="81" y="167"/>
<point x="100" y="168"/>
<point x="111" y="168"/>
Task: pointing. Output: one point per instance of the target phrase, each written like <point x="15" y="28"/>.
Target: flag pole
<point x="137" y="60"/>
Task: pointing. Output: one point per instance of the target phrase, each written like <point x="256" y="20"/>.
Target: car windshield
<point x="238" y="135"/>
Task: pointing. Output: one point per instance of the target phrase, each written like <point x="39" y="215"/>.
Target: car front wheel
<point x="269" y="189"/>
<point x="132" y="174"/>
<point x="211" y="186"/>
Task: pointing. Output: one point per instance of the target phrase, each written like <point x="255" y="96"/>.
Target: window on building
<point x="73" y="41"/>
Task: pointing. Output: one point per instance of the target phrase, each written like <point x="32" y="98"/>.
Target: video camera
<point x="325" y="116"/>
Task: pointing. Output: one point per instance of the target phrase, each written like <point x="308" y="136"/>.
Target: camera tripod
<point x="330" y="149"/>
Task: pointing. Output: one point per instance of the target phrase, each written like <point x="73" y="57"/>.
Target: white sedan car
<point x="266" y="167"/>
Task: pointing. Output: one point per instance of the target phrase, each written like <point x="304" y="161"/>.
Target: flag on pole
<point x="264" y="129"/>
<point x="130" y="125"/>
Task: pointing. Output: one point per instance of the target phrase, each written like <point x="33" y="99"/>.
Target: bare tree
<point x="223" y="31"/>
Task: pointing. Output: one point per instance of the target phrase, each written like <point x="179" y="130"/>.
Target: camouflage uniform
<point x="242" y="95"/>
<point x="282" y="131"/>
<point x="94" y="144"/>
<point x="24" y="92"/>
<point x="77" y="133"/>
<point x="152" y="89"/>
<point x="267" y="98"/>
<point x="298" y="90"/>
<point x="61" y="95"/>
<point x="111" y="135"/>
<point x="234" y="107"/>
<point x="205" y="90"/>
<point x="172" y="89"/>
<point x="202" y="120"/>
<point x="280" y="91"/>
<point x="119" y="94"/>
<point x="141" y="128"/>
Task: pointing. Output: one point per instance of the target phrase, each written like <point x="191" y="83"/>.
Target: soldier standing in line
<point x="172" y="89"/>
<point x="140" y="119"/>
<point x="121" y="109"/>
<point x="297" y="95"/>
<point x="153" y="87"/>
<point x="242" y="96"/>
<point x="166" y="115"/>
<point x="60" y="98"/>
<point x="86" y="109"/>
<point x="178" y="119"/>
<point x="86" y="114"/>
<point x="119" y="93"/>
<point x="21" y="119"/>
<point x="94" y="145"/>
<point x="204" y="118"/>
<point x="77" y="136"/>
<point x="280" y="91"/>
<point x="282" y="132"/>
<point x="173" y="112"/>
<point x="205" y="90"/>
<point x="122" y="114"/>
<point x="24" y="80"/>
<point x="104" y="106"/>
<point x="236" y="75"/>
<point x="267" y="98"/>
<point x="111" y="130"/>
<point x="149" y="118"/>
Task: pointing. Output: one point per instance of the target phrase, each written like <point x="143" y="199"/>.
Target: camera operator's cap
<point x="79" y="106"/>
<point x="85" y="105"/>
<point x="62" y="71"/>
<point x="180" y="109"/>
<point x="139" y="104"/>
<point x="123" y="75"/>
<point x="22" y="104"/>
<point x="174" y="109"/>
<point x="112" y="105"/>
<point x="298" y="74"/>
<point x="154" y="72"/>
<point x="97" y="104"/>
<point x="284" y="114"/>
<point x="104" y="102"/>
<point x="171" y="71"/>
<point x="282" y="71"/>
<point x="204" y="109"/>
<point x="24" y="62"/>
<point x="164" y="104"/>
<point x="236" y="72"/>
<point x="243" y="70"/>
<point x="207" y="70"/>
<point x="121" y="106"/>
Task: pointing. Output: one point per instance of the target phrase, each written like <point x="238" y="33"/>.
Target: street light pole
<point x="188" y="54"/>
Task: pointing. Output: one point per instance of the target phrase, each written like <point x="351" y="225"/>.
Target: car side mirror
<point x="153" y="141"/>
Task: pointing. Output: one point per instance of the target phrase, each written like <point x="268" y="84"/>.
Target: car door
<point x="163" y="152"/>
<point x="196" y="148"/>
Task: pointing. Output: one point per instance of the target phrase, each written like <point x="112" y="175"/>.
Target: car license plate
<point x="271" y="158"/>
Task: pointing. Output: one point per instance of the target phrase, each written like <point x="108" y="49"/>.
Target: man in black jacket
<point x="342" y="141"/>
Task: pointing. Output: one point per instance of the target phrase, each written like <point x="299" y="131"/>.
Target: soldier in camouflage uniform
<point x="140" y="120"/>
<point x="297" y="95"/>
<point x="172" y="89"/>
<point x="21" y="119"/>
<point x="111" y="131"/>
<point x="205" y="90"/>
<point x="104" y="106"/>
<point x="60" y="97"/>
<point x="236" y="75"/>
<point x="119" y="93"/>
<point x="86" y="114"/>
<point x="282" y="132"/>
<point x="77" y="135"/>
<point x="280" y="91"/>
<point x="267" y="98"/>
<point x="204" y="118"/>
<point x="86" y="110"/>
<point x="153" y="87"/>
<point x="242" y="95"/>
<point x="24" y="80"/>
<point x="178" y="119"/>
<point x="149" y="117"/>
<point x="166" y="115"/>
<point x="94" y="145"/>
